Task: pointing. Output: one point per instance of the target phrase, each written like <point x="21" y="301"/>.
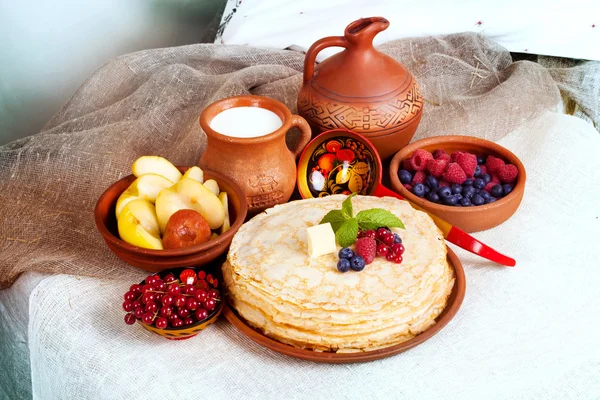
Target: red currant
<point x="147" y="318"/>
<point x="135" y="288"/>
<point x="183" y="312"/>
<point x="158" y="298"/>
<point x="398" y="248"/>
<point x="188" y="321"/>
<point x="169" y="278"/>
<point x="210" y="304"/>
<point x="146" y="288"/>
<point x="388" y="239"/>
<point x="176" y="323"/>
<point x="381" y="233"/>
<point x="138" y="312"/>
<point x="213" y="294"/>
<point x="147" y="297"/>
<point x="166" y="311"/>
<point x="172" y="317"/>
<point x="361" y="234"/>
<point x="371" y="234"/>
<point x="174" y="289"/>
<point x="382" y="250"/>
<point x="129" y="296"/>
<point x="389" y="256"/>
<point x="161" y="323"/>
<point x="127" y="306"/>
<point x="160" y="286"/>
<point x="397" y="258"/>
<point x="151" y="307"/>
<point x="189" y="289"/>
<point x="150" y="280"/>
<point x="129" y="319"/>
<point x="137" y="304"/>
<point x="201" y="314"/>
<point x="200" y="295"/>
<point x="192" y="304"/>
<point x="180" y="301"/>
<point x="167" y="299"/>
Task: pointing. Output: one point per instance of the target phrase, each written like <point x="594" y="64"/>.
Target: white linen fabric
<point x="559" y="28"/>
<point x="528" y="332"/>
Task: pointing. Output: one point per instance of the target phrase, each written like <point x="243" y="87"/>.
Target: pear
<point x="145" y="187"/>
<point x="195" y="173"/>
<point x="155" y="165"/>
<point x="189" y="194"/>
<point x="213" y="186"/>
<point x="226" y="222"/>
<point x="138" y="225"/>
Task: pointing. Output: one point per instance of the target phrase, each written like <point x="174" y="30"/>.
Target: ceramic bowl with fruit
<point x="176" y="304"/>
<point x="472" y="183"/>
<point x="164" y="216"/>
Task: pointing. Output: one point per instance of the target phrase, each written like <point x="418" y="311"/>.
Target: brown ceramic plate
<point x="454" y="302"/>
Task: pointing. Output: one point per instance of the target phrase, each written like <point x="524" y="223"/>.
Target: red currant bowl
<point x="200" y="317"/>
<point x="160" y="260"/>
<point x="472" y="218"/>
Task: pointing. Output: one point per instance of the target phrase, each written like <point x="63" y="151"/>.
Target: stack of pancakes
<point x="306" y="302"/>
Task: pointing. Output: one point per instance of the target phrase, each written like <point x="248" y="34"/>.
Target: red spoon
<point x="343" y="162"/>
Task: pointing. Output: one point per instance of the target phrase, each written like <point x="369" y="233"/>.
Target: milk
<point x="246" y="122"/>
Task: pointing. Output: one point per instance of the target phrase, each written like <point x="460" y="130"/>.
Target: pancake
<point x="306" y="302"/>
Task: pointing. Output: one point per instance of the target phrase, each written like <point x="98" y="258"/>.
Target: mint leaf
<point x="378" y="217"/>
<point x="347" y="210"/>
<point x="335" y="218"/>
<point x="346" y="234"/>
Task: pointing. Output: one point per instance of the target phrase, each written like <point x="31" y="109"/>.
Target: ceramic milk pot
<point x="250" y="147"/>
<point x="361" y="89"/>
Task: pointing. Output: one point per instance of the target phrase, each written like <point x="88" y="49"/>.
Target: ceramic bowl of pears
<point x="163" y="216"/>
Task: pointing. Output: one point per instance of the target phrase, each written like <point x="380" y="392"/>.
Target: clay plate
<point x="454" y="302"/>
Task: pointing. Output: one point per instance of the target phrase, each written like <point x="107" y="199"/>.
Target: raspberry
<point x="455" y="174"/>
<point x="366" y="248"/>
<point x="493" y="164"/>
<point x="419" y="177"/>
<point x="468" y="162"/>
<point x="483" y="169"/>
<point x="406" y="165"/>
<point x="507" y="173"/>
<point x="419" y="158"/>
<point x="408" y="187"/>
<point x="440" y="153"/>
<point x="437" y="167"/>
<point x="455" y="154"/>
<point x="445" y="157"/>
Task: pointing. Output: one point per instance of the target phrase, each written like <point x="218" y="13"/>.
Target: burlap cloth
<point x="148" y="103"/>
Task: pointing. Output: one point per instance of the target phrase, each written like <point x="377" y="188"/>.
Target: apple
<point x="213" y="186"/>
<point x="145" y="187"/>
<point x="138" y="225"/>
<point x="156" y="165"/>
<point x="226" y="222"/>
<point x="195" y="173"/>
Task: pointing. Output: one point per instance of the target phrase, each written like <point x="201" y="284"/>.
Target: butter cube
<point x="321" y="240"/>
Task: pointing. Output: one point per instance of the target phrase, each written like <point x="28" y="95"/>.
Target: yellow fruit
<point x="213" y="186"/>
<point x="226" y="222"/>
<point x="156" y="165"/>
<point x="145" y="187"/>
<point x="138" y="225"/>
<point x="195" y="173"/>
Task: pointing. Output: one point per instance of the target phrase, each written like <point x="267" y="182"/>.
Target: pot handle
<point x="305" y="134"/>
<point x="311" y="54"/>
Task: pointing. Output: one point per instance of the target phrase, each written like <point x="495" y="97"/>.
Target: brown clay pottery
<point x="469" y="219"/>
<point x="262" y="165"/>
<point x="361" y="89"/>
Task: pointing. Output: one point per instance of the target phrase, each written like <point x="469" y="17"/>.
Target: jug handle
<point x="311" y="54"/>
<point x="305" y="134"/>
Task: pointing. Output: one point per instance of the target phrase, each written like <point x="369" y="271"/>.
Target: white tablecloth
<point x="529" y="332"/>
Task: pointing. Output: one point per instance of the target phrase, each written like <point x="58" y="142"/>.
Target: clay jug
<point x="262" y="166"/>
<point x="361" y="89"/>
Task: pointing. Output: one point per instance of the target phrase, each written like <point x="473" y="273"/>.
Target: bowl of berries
<point x="176" y="304"/>
<point x="471" y="183"/>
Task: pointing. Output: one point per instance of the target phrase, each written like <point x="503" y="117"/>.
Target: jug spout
<point x="363" y="31"/>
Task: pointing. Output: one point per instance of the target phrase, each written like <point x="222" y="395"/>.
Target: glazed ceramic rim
<point x="227" y="236"/>
<point x="423" y="202"/>
<point x="249" y="100"/>
<point x="455" y="301"/>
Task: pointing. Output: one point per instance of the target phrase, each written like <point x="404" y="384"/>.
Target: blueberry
<point x="465" y="202"/>
<point x="444" y="191"/>
<point x="478" y="183"/>
<point x="477" y="171"/>
<point x="477" y="200"/>
<point x="404" y="176"/>
<point x="427" y="190"/>
<point x="419" y="190"/>
<point x="486" y="178"/>
<point x="456" y="188"/>
<point x="397" y="238"/>
<point x="451" y="200"/>
<point x="469" y="191"/>
<point x="490" y="200"/>
<point x="346" y="253"/>
<point x="458" y="196"/>
<point x="484" y="194"/>
<point x="433" y="197"/>
<point x="343" y="265"/>
<point x="357" y="263"/>
<point x="468" y="182"/>
<point x="480" y="160"/>
<point x="496" y="191"/>
<point x="432" y="182"/>
<point x="507" y="188"/>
